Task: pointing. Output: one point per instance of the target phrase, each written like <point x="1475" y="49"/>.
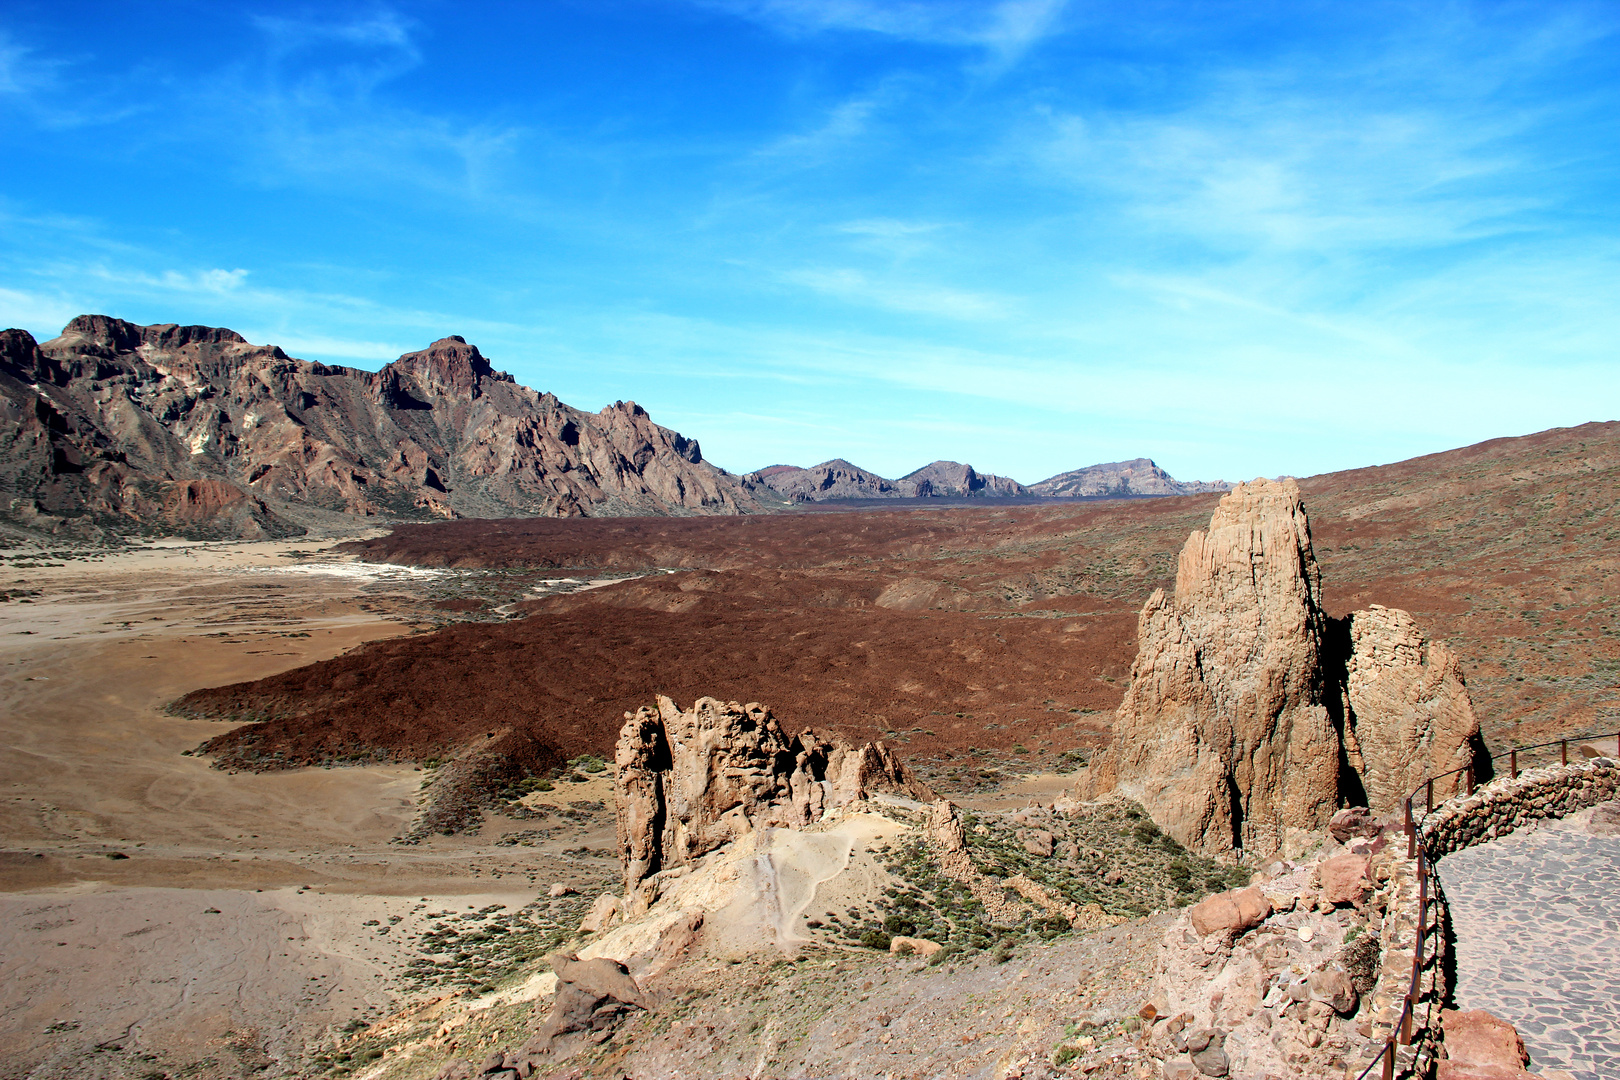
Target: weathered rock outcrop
<point x="1224" y="736"/>
<point x="1407" y="714"/>
<point x="690" y="781"/>
<point x="192" y="429"/>
<point x="1250" y="715"/>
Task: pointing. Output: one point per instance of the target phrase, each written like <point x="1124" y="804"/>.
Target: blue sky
<point x="1243" y="239"/>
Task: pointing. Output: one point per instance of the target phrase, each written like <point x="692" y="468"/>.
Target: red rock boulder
<point x="1233" y="911"/>
<point x="1346" y="879"/>
<point x="1481" y="1047"/>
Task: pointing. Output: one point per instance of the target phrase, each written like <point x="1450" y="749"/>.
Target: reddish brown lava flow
<point x="989" y="627"/>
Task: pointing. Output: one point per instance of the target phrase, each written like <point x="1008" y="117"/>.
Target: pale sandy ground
<point x="233" y="934"/>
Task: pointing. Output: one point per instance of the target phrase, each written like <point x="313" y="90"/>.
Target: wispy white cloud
<point x="304" y="345"/>
<point x="1003" y="30"/>
<point x="314" y="112"/>
<point x="858" y="287"/>
<point x="41" y="314"/>
<point x="892" y="237"/>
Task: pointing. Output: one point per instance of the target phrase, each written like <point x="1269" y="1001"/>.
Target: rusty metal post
<point x="1470" y="779"/>
<point x="1406" y="1021"/>
<point x="1513" y="764"/>
<point x="1411" y="831"/>
<point x="1428" y="800"/>
<point x="1563" y="751"/>
<point x="1389" y="1060"/>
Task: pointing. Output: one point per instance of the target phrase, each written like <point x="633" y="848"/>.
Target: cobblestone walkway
<point x="1537" y="919"/>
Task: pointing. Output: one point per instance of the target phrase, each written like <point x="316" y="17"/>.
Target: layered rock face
<point x="1223" y="735"/>
<point x="193" y="429"/>
<point x="1139" y="476"/>
<point x="690" y="781"/>
<point x="1408" y="714"/>
<point x="1246" y="701"/>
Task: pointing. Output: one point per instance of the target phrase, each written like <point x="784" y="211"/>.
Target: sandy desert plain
<point x="354" y="875"/>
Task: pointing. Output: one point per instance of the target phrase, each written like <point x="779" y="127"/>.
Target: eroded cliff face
<point x="689" y="781"/>
<point x="1250" y="716"/>
<point x="1224" y="735"/>
<point x="193" y="429"/>
<point x="1408" y="715"/>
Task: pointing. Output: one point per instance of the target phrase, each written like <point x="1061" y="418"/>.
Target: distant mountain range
<point x="191" y="430"/>
<point x="838" y="479"/>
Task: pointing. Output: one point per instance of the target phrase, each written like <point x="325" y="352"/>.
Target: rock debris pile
<point x="1278" y="978"/>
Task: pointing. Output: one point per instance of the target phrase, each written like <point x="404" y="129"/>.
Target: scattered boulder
<point x="561" y="889"/>
<point x="1346" y="879"/>
<point x="602" y="914"/>
<point x="592" y="996"/>
<point x="902" y="946"/>
<point x="1205" y="1048"/>
<point x="1352" y="822"/>
<point x="1332" y="987"/>
<point x="1233" y="911"/>
<point x="691" y="781"/>
<point x="1479" y="1046"/>
<point x="1605" y="819"/>
<point x="1038" y="842"/>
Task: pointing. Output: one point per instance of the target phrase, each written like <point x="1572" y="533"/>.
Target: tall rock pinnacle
<point x="1223" y="735"/>
<point x="1251" y="715"/>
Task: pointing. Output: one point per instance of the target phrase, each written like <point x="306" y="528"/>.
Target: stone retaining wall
<point x="1505" y="804"/>
<point x="1493" y="810"/>
<point x="1397" y="937"/>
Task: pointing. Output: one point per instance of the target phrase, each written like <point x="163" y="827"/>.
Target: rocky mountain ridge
<point x="839" y="479"/>
<point x="192" y="430"/>
<point x="1138" y="476"/>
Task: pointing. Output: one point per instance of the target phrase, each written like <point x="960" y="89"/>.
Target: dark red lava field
<point x="1007" y="629"/>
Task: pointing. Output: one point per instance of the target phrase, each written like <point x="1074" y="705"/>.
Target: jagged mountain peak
<point x="137" y="420"/>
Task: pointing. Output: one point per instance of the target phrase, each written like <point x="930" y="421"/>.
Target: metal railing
<point x="1417" y="849"/>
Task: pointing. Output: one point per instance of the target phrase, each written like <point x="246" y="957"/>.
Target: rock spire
<point x="1223" y="735"/>
<point x="1251" y="716"/>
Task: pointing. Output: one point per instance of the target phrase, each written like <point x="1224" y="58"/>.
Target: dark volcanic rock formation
<point x="689" y="782"/>
<point x="1246" y="700"/>
<point x="1139" y="476"/>
<point x="192" y="429"/>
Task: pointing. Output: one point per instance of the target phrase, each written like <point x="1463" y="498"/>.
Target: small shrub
<point x="875" y="939"/>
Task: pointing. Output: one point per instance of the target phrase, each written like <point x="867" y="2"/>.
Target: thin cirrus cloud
<point x="855" y="286"/>
<point x="1004" y="30"/>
